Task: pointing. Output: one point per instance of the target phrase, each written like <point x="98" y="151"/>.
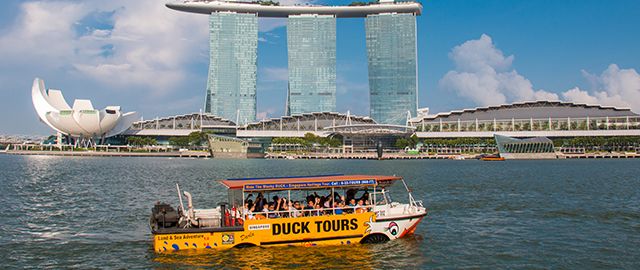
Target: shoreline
<point x="183" y="154"/>
<point x="364" y="156"/>
<point x="453" y="157"/>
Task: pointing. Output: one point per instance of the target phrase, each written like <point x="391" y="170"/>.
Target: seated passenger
<point x="310" y="206"/>
<point x="351" y="206"/>
<point x="248" y="210"/>
<point x="360" y="207"/>
<point x="338" y="209"/>
<point x="318" y="210"/>
<point x="352" y="203"/>
<point x="284" y="208"/>
<point x="296" y="209"/>
<point x="272" y="213"/>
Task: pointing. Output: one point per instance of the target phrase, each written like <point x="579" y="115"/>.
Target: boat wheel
<point x="244" y="245"/>
<point x="375" y="238"/>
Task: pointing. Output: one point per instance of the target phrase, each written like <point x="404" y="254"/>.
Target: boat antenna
<point x="180" y="198"/>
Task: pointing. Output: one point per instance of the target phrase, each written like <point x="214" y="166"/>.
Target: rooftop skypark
<point x="274" y="9"/>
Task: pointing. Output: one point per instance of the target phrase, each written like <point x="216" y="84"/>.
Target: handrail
<point x="368" y="208"/>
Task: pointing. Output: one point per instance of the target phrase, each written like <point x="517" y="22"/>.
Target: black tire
<point x="375" y="238"/>
<point x="244" y="245"/>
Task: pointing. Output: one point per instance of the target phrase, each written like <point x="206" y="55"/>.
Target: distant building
<point x="311" y="41"/>
<point x="229" y="147"/>
<point x="391" y="48"/>
<point x="231" y="83"/>
<point x="318" y="123"/>
<point x="532" y="148"/>
<point x="181" y="125"/>
<point x="530" y="119"/>
<point x="392" y="53"/>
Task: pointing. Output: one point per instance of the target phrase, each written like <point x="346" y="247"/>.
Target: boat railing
<point x="307" y="212"/>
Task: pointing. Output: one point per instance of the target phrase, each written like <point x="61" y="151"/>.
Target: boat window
<point x="235" y="197"/>
<point x="307" y="202"/>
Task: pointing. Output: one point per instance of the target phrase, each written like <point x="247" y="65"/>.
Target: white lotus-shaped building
<point x="81" y="120"/>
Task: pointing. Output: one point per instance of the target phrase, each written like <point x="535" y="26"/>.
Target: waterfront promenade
<point x="181" y="154"/>
<point x="607" y="155"/>
<point x="103" y="151"/>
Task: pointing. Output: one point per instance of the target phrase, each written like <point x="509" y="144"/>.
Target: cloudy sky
<point x="145" y="57"/>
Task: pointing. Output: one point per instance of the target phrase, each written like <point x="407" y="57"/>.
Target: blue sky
<point x="146" y="58"/>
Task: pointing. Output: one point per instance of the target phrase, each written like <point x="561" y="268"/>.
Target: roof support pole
<point x="476" y="124"/>
<point x="627" y="122"/>
<point x="568" y="123"/>
<point x="588" y="124"/>
<point x="531" y="124"/>
<point x="513" y="124"/>
<point x="607" y="119"/>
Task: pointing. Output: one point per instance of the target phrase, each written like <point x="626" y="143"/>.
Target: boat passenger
<point x="351" y="206"/>
<point x="260" y="202"/>
<point x="296" y="210"/>
<point x="248" y="210"/>
<point x="318" y="210"/>
<point x="272" y="213"/>
<point x="360" y="208"/>
<point x="284" y="208"/>
<point x="338" y="209"/>
<point x="310" y="206"/>
<point x="365" y="196"/>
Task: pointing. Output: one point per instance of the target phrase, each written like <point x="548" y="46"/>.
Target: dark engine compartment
<point x="163" y="216"/>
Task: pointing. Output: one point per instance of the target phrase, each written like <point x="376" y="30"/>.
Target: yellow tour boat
<point x="294" y="211"/>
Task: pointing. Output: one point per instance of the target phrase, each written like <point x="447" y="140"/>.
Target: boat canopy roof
<point x="309" y="182"/>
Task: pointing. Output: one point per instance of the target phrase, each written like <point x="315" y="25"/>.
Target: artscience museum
<point x="81" y="123"/>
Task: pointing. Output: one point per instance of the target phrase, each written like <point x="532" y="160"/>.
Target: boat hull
<point x="303" y="231"/>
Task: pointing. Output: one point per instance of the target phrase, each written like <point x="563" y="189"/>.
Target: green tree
<point x="198" y="138"/>
<point x="401" y="143"/>
<point x="179" y="141"/>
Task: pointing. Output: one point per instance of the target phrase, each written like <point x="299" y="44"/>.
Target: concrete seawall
<point x="181" y="154"/>
<point x="453" y="157"/>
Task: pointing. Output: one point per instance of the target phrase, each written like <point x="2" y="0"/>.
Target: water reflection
<point x="394" y="254"/>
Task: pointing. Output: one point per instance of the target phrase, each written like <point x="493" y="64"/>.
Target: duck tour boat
<point x="290" y="211"/>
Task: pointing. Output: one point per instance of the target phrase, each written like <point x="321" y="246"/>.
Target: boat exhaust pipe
<point x="190" y="214"/>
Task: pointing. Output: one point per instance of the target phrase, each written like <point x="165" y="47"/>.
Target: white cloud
<point x="275" y="74"/>
<point x="485" y="76"/>
<point x="270" y="24"/>
<point x="615" y="86"/>
<point x="42" y="33"/>
<point x="266" y="114"/>
<point x="149" y="45"/>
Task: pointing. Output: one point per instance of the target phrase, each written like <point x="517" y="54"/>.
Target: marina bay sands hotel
<point x="311" y="40"/>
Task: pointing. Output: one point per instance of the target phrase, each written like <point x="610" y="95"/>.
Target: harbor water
<point x="92" y="212"/>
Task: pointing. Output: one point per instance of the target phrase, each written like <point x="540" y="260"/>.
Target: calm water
<point x="92" y="212"/>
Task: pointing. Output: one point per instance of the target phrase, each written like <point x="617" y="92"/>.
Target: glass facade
<point x="311" y="41"/>
<point x="392" y="53"/>
<point x="231" y="85"/>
